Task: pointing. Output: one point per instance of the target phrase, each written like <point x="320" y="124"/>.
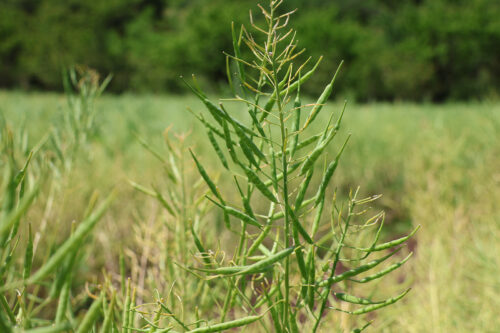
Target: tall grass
<point x="170" y="263"/>
<point x="32" y="288"/>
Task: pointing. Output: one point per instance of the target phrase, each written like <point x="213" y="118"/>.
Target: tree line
<point x="420" y="50"/>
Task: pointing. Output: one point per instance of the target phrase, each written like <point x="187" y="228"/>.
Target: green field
<point x="437" y="166"/>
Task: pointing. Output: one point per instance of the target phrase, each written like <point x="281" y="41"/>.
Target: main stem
<point x="286" y="310"/>
<point x="285" y="194"/>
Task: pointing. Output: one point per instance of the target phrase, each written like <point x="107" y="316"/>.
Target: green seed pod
<point x="328" y="175"/>
<point x="391" y="244"/>
<point x="322" y="99"/>
<point x="63" y="299"/>
<point x="248" y="207"/>
<point x="217" y="149"/>
<point x="293" y="323"/>
<point x="339" y="121"/>
<point x="108" y="316"/>
<point x="237" y="52"/>
<point x="354" y="271"/>
<point x="62" y="327"/>
<point x="242" y="216"/>
<point x="164" y="202"/>
<point x="207" y="125"/>
<point x="302" y="190"/>
<point x="249" y="144"/>
<point x="260" y="265"/>
<point x="8" y="260"/>
<point x="274" y="313"/>
<point x="374" y="307"/>
<point x="383" y="272"/>
<point x="256" y="122"/>
<point x="299" y="254"/>
<point x="254" y="179"/>
<point x="156" y="320"/>
<point x="229" y="142"/>
<point x="307" y="142"/>
<point x="199" y="246"/>
<point x="316" y="153"/>
<point x="286" y="78"/>
<point x="142" y="189"/>
<point x="126" y="308"/>
<point x="230" y="270"/>
<point x="131" y="317"/>
<point x="311" y="279"/>
<point x="354" y="299"/>
<point x="91" y="316"/>
<point x="296" y="123"/>
<point x="317" y="217"/>
<point x="216" y="113"/>
<point x="20" y="175"/>
<point x="205" y="176"/>
<point x="5" y="304"/>
<point x="229" y="76"/>
<point x="227" y="325"/>
<point x="28" y="256"/>
<point x="64" y="274"/>
<point x="249" y="154"/>
<point x="299" y="227"/>
<point x="238" y="214"/>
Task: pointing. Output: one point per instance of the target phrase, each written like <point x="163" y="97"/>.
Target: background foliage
<point x="422" y="50"/>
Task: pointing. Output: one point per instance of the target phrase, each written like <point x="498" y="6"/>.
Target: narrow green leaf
<point x="322" y="99"/>
<point x="69" y="245"/>
<point x="91" y="316"/>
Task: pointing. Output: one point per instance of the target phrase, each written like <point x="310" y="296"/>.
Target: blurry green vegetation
<point x="428" y="50"/>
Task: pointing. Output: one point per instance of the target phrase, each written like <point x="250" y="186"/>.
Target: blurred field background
<point x="422" y="80"/>
<point x="436" y="165"/>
